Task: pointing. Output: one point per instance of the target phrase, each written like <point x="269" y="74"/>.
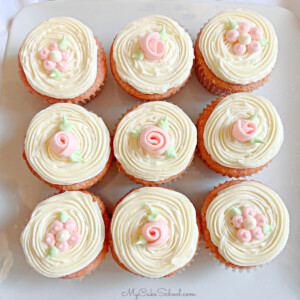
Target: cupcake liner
<point x="82" y="99"/>
<point x="214" y="84"/>
<point x="205" y="156"/>
<point x="142" y="181"/>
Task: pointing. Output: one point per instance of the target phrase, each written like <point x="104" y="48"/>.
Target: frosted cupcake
<point x="240" y="134"/>
<point x="66" y="235"/>
<point x="151" y="58"/>
<point x="244" y="223"/>
<point x="68" y="147"/>
<point x="154" y="142"/>
<point x="154" y="232"/>
<point x="61" y="60"/>
<point x="235" y="52"/>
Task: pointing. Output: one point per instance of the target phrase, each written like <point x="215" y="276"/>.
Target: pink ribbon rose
<point x="155" y="140"/>
<point x="156" y="232"/>
<point x="244" y="130"/>
<point x="152" y="46"/>
<point x="64" y="143"/>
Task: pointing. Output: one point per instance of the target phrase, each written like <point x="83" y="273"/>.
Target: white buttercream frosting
<point x="82" y="63"/>
<point x="131" y="214"/>
<point x="151" y="77"/>
<point x="87" y="215"/>
<point x="139" y="163"/>
<point x="220" y="58"/>
<point x="225" y="149"/>
<point x="224" y="235"/>
<point x="89" y="129"/>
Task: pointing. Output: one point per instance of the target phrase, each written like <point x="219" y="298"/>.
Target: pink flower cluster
<point x="245" y="38"/>
<point x="54" y="58"/>
<point x="62" y="235"/>
<point x="250" y="225"/>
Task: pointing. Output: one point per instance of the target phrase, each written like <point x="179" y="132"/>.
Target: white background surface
<point x="20" y="190"/>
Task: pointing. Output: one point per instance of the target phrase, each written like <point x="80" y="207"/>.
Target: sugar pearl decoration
<point x="63" y="236"/>
<point x="245" y="38"/>
<point x="249" y="223"/>
<point x="55" y="55"/>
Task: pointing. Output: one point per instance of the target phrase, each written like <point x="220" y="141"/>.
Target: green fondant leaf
<point x="138" y="55"/>
<point x="152" y="215"/>
<point x="235" y="211"/>
<point x="171" y="152"/>
<point x="65" y="125"/>
<point x="164" y="123"/>
<point x="63" y="44"/>
<point x="52" y="251"/>
<point x="163" y="34"/>
<point x="55" y="73"/>
<point x="267" y="229"/>
<point x="255" y="140"/>
<point x="232" y="24"/>
<point x="135" y="133"/>
<point x="63" y="217"/>
<point x="76" y="156"/>
<point x="141" y="241"/>
<point x="264" y="42"/>
<point x="254" y="118"/>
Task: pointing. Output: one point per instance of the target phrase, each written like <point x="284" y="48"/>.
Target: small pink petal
<point x="49" y="65"/>
<point x="232" y="35"/>
<point x="244" y="27"/>
<point x="49" y="239"/>
<point x="53" y="46"/>
<point x="55" y="227"/>
<point x="244" y="235"/>
<point x="261" y="220"/>
<point x="70" y="225"/>
<point x="254" y="46"/>
<point x="44" y="53"/>
<point x="75" y="238"/>
<point x="62" y="66"/>
<point x="237" y="221"/>
<point x="239" y="49"/>
<point x="65" y="54"/>
<point x="62" y="247"/>
<point x="248" y="212"/>
<point x="257" y="233"/>
<point x="256" y="33"/>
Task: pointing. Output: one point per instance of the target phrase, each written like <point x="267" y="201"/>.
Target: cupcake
<point x="235" y="52"/>
<point x="67" y="235"/>
<point x="154" y="232"/>
<point x="61" y="60"/>
<point x="151" y="58"/>
<point x="239" y="134"/>
<point x="244" y="223"/>
<point x="68" y="147"/>
<point x="154" y="142"/>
